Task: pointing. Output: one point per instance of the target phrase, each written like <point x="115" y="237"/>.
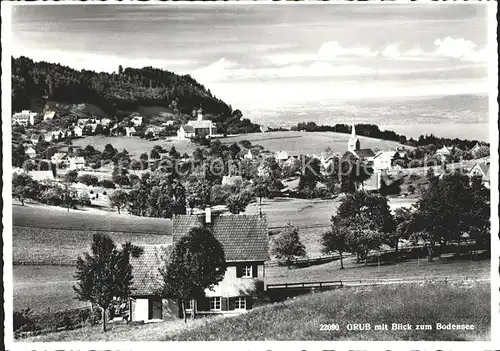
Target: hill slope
<point x="124" y="91"/>
<point x="301" y="318"/>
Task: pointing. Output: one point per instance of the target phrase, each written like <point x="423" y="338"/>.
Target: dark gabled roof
<point x="147" y="277"/>
<point x="243" y="237"/>
<point x="188" y="128"/>
<point x="363" y="153"/>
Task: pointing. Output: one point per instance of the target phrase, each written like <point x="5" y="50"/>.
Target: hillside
<point x="301" y="318"/>
<point x="296" y="143"/>
<point x="125" y="91"/>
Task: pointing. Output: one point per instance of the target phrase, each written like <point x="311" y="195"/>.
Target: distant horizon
<point x="272" y="56"/>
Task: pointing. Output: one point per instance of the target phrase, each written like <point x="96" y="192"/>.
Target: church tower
<point x="353" y="144"/>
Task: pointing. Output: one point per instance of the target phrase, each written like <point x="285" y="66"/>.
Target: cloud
<point x="328" y="51"/>
<point x="459" y="48"/>
<point x="445" y="49"/>
<point x="224" y="70"/>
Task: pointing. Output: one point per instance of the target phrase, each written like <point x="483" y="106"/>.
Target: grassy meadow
<point x="300" y="318"/>
<point x="414" y="268"/>
<point x="44" y="289"/>
<point x="296" y="143"/>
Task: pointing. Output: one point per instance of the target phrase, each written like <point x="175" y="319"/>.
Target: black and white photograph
<point x="249" y="171"/>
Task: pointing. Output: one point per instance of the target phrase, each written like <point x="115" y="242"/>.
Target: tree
<point x="107" y="184"/>
<point x="238" y="202"/>
<point x="155" y="155"/>
<point x="118" y="199"/>
<point x="71" y="176"/>
<point x="196" y="263"/>
<point x="18" y="156"/>
<point x="88" y="179"/>
<point x="449" y="209"/>
<point x="24" y="187"/>
<point x="363" y="236"/>
<point x="173" y="153"/>
<point x="403" y="221"/>
<point x="106" y="273"/>
<point x="336" y="239"/>
<point x="371" y="206"/>
<point x="287" y="244"/>
<point x="311" y="172"/>
<point x="198" y="193"/>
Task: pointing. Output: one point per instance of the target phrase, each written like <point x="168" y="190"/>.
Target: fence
<point x="66" y="263"/>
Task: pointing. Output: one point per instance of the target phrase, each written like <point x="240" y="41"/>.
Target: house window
<point x="215" y="304"/>
<point x="240" y="303"/>
<point x="246" y="271"/>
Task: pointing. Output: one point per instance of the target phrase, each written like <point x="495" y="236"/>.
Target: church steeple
<point x="353" y="144"/>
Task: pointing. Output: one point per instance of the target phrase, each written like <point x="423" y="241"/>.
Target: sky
<point x="273" y="56"/>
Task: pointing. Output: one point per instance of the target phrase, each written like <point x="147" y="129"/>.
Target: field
<point x="45" y="289"/>
<point x="415" y="268"/>
<point x="134" y="145"/>
<point x="312" y="217"/>
<point x="55" y="235"/>
<point x="296" y="143"/>
<point x="82" y="219"/>
<point x="414" y="304"/>
<point x="300" y="318"/>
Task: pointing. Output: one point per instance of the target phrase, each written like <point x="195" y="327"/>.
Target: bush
<point x="95" y="317"/>
<point x="23" y="320"/>
<point x="106" y="183"/>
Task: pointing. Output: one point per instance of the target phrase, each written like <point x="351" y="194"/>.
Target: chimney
<point x="200" y="116"/>
<point x="208" y="214"/>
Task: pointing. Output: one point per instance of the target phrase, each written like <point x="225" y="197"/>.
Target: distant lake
<point x="454" y="116"/>
<point x="473" y="131"/>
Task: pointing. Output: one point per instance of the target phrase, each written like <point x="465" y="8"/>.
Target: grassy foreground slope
<point x="300" y="318"/>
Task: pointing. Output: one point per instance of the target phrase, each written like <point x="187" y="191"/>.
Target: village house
<point x="130" y="131"/>
<point x="30" y="151"/>
<point x="105" y="122"/>
<point x="59" y="158"/>
<point x="77" y="131"/>
<point x="281" y="156"/>
<point x="251" y="154"/>
<point x="444" y="153"/>
<point x="76" y="163"/>
<point x="136" y="121"/>
<point x="49" y="115"/>
<point x="153" y="130"/>
<point x="200" y="127"/>
<point x="54" y="136"/>
<point x="244" y="239"/>
<point x="482" y="170"/>
<point x="36" y="137"/>
<point x="24" y="118"/>
<point x="383" y="160"/>
<point x="354" y="147"/>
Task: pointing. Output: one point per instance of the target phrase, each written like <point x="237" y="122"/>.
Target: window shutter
<point x="239" y="272"/>
<point x="224" y="304"/>
<point x="249" y="302"/>
<point x="254" y="270"/>
<point x="232" y="300"/>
